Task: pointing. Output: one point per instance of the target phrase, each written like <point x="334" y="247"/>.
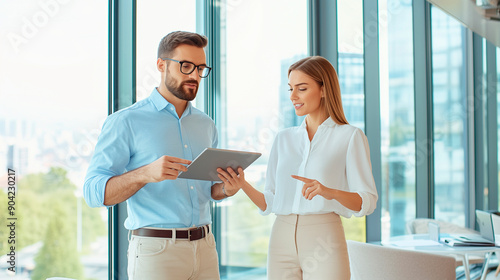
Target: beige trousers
<point x="154" y="258"/>
<point x="309" y="247"/>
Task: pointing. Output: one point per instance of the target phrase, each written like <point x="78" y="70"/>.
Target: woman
<point x="316" y="172"/>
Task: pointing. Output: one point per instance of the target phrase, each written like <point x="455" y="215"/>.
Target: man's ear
<point x="161" y="65"/>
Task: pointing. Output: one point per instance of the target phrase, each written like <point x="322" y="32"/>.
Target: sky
<point x="54" y="53"/>
<point x="53" y="60"/>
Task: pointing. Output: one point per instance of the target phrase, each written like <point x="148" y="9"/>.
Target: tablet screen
<point x="204" y="167"/>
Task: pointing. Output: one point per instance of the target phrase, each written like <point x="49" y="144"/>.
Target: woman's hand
<point x="232" y="181"/>
<point x="313" y="187"/>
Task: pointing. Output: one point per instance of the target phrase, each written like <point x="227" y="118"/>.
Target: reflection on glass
<point x="449" y="123"/>
<point x="151" y="29"/>
<point x="53" y="87"/>
<point x="397" y="116"/>
<point x="264" y="38"/>
<point x="351" y="77"/>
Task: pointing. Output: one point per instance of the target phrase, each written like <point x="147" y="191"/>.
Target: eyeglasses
<point x="188" y="67"/>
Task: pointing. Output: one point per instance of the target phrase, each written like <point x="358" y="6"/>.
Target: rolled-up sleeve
<point x="270" y="187"/>
<point x="359" y="173"/>
<point x="111" y="156"/>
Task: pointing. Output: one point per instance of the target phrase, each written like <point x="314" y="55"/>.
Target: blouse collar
<point x="328" y="122"/>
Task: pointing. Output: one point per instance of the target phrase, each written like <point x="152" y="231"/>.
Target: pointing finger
<point x="303" y="179"/>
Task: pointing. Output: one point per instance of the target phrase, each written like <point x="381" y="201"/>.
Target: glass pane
<point x="351" y="61"/>
<point x="397" y="115"/>
<point x="151" y="29"/>
<point x="351" y="78"/>
<point x="450" y="116"/>
<point x="54" y="92"/>
<point x="264" y="38"/>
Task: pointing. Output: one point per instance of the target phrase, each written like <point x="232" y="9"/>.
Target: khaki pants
<point x="308" y="247"/>
<point x="151" y="258"/>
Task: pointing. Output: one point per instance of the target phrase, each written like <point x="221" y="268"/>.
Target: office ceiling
<point x="480" y="16"/>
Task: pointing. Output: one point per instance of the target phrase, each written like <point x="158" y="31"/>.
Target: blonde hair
<point x="322" y="71"/>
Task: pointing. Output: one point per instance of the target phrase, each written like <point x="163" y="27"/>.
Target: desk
<point x="422" y="242"/>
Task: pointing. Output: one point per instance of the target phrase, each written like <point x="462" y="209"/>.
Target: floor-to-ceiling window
<point x="54" y="93"/>
<point x="260" y="40"/>
<point x="350" y="59"/>
<point x="397" y="116"/>
<point x="449" y="117"/>
<point x="351" y="78"/>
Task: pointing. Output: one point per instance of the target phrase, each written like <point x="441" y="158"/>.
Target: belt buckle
<point x="189" y="235"/>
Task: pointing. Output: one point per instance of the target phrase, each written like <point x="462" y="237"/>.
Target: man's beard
<point x="179" y="91"/>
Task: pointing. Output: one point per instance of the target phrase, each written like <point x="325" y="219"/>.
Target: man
<point x="137" y="158"/>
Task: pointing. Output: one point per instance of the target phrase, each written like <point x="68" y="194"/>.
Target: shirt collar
<point x="328" y="122"/>
<point x="303" y="124"/>
<point x="161" y="103"/>
<point x="158" y="100"/>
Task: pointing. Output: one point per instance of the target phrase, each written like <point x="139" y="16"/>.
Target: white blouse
<point x="338" y="157"/>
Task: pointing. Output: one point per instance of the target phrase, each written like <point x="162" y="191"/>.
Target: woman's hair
<point x="322" y="71"/>
<point x="174" y="39"/>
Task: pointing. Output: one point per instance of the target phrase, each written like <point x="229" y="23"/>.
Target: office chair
<point x="376" y="262"/>
<point x="420" y="226"/>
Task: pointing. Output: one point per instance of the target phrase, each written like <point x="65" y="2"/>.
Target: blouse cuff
<point x="269" y="198"/>
<point x="366" y="205"/>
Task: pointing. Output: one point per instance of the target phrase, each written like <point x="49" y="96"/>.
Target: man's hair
<point x="174" y="39"/>
<point x="322" y="71"/>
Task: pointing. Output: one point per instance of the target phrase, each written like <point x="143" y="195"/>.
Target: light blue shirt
<point x="140" y="134"/>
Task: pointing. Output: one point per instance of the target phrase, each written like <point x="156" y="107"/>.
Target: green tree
<point x="31" y="218"/>
<point x="37" y="196"/>
<point x="58" y="257"/>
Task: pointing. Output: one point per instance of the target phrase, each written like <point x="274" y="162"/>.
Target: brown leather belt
<point x="190" y="234"/>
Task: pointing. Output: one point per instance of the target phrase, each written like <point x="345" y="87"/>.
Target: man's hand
<point x="164" y="168"/>
<point x="120" y="188"/>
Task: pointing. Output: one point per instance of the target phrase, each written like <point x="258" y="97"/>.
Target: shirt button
<point x="193" y="225"/>
<point x="192" y="187"/>
<point x="185" y="146"/>
<point x="171" y="109"/>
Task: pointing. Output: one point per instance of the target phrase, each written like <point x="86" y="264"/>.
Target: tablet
<point x="204" y="166"/>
